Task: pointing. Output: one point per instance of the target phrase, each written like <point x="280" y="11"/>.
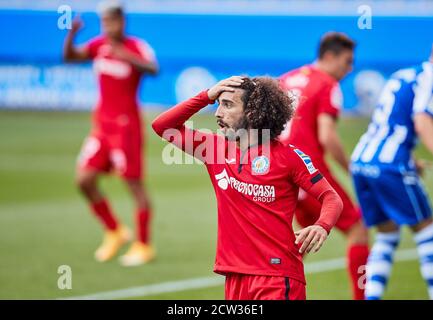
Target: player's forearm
<point x="70" y="52"/>
<point x="424" y="129"/>
<point x="332" y="205"/>
<point x="175" y="117"/>
<point x="68" y="48"/>
<point x="330" y="141"/>
<point x="147" y="67"/>
<point x="142" y="65"/>
<point x="334" y="147"/>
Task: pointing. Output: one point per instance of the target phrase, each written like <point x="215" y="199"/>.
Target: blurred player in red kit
<point x="115" y="142"/>
<point x="314" y="130"/>
<point x="256" y="181"/>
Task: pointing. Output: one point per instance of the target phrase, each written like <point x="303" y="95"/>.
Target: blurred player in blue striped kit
<point x="386" y="176"/>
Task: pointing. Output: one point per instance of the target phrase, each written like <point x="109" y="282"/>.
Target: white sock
<point x="424" y="243"/>
<point x="379" y="264"/>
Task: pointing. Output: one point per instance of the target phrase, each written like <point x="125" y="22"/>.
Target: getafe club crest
<point x="260" y="165"/>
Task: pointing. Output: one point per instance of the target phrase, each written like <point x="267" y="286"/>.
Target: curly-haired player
<point x="256" y="180"/>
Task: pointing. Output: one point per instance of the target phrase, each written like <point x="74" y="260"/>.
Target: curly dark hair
<point x="266" y="106"/>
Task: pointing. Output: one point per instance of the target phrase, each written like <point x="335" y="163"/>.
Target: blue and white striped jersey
<point x="391" y="134"/>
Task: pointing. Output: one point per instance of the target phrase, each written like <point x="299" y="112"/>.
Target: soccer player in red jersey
<point x="115" y="142"/>
<point x="256" y="181"/>
<point x="313" y="129"/>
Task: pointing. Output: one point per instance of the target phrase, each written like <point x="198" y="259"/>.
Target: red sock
<point x="357" y="256"/>
<point x="143" y="225"/>
<point x="102" y="210"/>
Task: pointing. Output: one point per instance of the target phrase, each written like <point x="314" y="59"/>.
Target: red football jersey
<point x="256" y="203"/>
<point x="315" y="92"/>
<point x="256" y="192"/>
<point x="118" y="80"/>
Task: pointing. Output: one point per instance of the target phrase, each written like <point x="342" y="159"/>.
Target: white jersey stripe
<point x="423" y="88"/>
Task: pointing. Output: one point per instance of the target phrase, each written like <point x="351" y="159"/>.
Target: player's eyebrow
<point x="227" y="101"/>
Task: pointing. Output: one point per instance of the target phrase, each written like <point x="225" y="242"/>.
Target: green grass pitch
<point x="44" y="222"/>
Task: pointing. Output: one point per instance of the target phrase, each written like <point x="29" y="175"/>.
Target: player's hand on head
<point x="311" y="237"/>
<point x="228" y="84"/>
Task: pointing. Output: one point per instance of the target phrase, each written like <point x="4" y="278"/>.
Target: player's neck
<point x="247" y="141"/>
<point x="322" y="66"/>
<point x="117" y="39"/>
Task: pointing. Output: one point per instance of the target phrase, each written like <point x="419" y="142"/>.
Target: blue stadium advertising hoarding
<point x="195" y="50"/>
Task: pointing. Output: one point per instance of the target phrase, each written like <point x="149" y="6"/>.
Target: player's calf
<point x="424" y="242"/>
<point x="380" y="260"/>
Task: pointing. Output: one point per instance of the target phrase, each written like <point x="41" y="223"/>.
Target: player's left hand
<point x="310" y="237"/>
<point x="228" y="85"/>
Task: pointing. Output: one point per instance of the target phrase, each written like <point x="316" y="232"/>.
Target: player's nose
<point x="218" y="113"/>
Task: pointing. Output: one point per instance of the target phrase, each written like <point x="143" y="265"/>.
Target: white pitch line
<point x="207" y="282"/>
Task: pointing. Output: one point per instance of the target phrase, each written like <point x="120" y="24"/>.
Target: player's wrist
<point x="324" y="226"/>
<point x="204" y="95"/>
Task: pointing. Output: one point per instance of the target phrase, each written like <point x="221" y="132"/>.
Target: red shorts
<point x="308" y="208"/>
<point x="253" y="287"/>
<point x="120" y="152"/>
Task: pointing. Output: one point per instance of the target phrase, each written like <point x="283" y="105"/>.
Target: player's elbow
<point x="153" y="69"/>
<point x="67" y="58"/>
<point x="69" y="55"/>
<point x="157" y="127"/>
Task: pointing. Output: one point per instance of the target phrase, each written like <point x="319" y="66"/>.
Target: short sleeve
<point x="423" y="91"/>
<point x="302" y="170"/>
<point x="92" y="47"/>
<point x="331" y="100"/>
<point x="146" y="51"/>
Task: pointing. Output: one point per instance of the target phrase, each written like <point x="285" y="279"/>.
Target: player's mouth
<point x="221" y="124"/>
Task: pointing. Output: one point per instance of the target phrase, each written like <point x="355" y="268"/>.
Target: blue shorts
<point x="393" y="193"/>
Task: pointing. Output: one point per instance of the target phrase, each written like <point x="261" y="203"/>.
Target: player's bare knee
<point x="85" y="182"/>
<point x="83" y="185"/>
<point x="425" y="223"/>
<point x="358" y="234"/>
<point x="387" y="227"/>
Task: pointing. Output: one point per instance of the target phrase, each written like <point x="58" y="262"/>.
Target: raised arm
<point x="72" y="53"/>
<point x="170" y="125"/>
<point x="175" y="117"/>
